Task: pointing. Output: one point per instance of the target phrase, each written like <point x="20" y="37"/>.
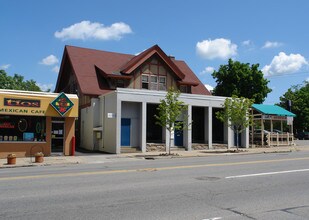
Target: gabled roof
<point x="272" y="110"/>
<point x="130" y="66"/>
<point x="89" y="65"/>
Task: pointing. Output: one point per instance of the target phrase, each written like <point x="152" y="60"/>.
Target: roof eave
<point x="188" y="83"/>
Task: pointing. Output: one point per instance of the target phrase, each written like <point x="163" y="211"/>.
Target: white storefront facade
<point x="119" y="119"/>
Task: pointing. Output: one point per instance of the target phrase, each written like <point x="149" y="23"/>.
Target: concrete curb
<point x="92" y="159"/>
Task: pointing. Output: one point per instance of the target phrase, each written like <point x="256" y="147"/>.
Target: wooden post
<point x="277" y="139"/>
<point x="262" y="133"/>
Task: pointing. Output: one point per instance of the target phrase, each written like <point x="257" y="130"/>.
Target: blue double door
<point x="125" y="132"/>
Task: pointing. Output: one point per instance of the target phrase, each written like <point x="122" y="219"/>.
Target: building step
<point x="178" y="149"/>
<point x="130" y="150"/>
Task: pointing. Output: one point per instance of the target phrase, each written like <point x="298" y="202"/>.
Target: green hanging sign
<point x="62" y="104"/>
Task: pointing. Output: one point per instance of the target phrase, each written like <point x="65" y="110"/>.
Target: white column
<point x="230" y="138"/>
<point x="245" y="138"/>
<point x="206" y="125"/>
<point x="188" y="130"/>
<point x="118" y="127"/>
<point x="210" y="127"/>
<point x="143" y="127"/>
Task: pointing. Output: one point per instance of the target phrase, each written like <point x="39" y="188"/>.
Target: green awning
<point x="272" y="110"/>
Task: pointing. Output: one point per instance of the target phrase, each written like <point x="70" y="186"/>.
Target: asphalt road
<point x="262" y="186"/>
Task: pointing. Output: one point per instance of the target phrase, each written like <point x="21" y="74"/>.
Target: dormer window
<point x="162" y="83"/>
<point x="154" y="83"/>
<point x="185" y="89"/>
<point x="153" y="75"/>
<point x="120" y="83"/>
<point x="145" y="81"/>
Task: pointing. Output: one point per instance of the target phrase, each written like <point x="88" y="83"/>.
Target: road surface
<point x="261" y="186"/>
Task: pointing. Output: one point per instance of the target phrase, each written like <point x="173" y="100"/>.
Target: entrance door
<point x="178" y="138"/>
<point x="57" y="140"/>
<point x="125" y="131"/>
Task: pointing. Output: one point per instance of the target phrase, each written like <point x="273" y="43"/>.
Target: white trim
<point x="32" y="93"/>
<point x="163" y="93"/>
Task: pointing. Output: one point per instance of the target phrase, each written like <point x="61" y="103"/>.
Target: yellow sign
<point x="20" y="104"/>
<point x="21" y="111"/>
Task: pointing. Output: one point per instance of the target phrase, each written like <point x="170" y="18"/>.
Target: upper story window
<point x="153" y="75"/>
<point x="162" y="83"/>
<point x="154" y="83"/>
<point x="145" y="82"/>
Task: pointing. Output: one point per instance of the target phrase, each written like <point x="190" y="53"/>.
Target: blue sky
<point x="204" y="33"/>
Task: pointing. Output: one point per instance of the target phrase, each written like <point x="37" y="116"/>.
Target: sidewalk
<point x="93" y="158"/>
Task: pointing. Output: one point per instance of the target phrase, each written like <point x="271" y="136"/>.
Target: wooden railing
<point x="276" y="139"/>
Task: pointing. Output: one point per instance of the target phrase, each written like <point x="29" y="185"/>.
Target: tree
<point x="169" y="111"/>
<point x="17" y="82"/>
<point x="236" y="114"/>
<point x="241" y="80"/>
<point x="299" y="95"/>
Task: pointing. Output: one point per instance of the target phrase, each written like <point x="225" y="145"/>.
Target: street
<point x="256" y="186"/>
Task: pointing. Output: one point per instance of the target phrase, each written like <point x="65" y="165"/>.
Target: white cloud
<point x="55" y="69"/>
<point x="45" y="87"/>
<point x="87" y="30"/>
<point x="307" y="80"/>
<point x="5" y="66"/>
<point x="209" y="87"/>
<point x="246" y="43"/>
<point x="284" y="64"/>
<point x="219" y="48"/>
<point x="208" y="69"/>
<point x="269" y="44"/>
<point x="49" y="60"/>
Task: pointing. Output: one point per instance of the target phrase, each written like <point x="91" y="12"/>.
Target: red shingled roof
<point x="88" y="63"/>
<point x="190" y="77"/>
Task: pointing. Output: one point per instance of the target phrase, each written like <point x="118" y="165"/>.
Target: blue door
<point x="125" y="131"/>
<point x="178" y="138"/>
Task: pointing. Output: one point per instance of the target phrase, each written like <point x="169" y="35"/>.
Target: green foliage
<point x="241" y="80"/>
<point x="299" y="95"/>
<point x="236" y="114"/>
<point x="169" y="111"/>
<point x="17" y="82"/>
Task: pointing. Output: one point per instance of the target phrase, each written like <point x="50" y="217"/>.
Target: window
<point x="22" y="128"/>
<point x="162" y="83"/>
<point x="153" y="75"/>
<point x="183" y="89"/>
<point x="154" y="83"/>
<point x="120" y="83"/>
<point x="145" y="82"/>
